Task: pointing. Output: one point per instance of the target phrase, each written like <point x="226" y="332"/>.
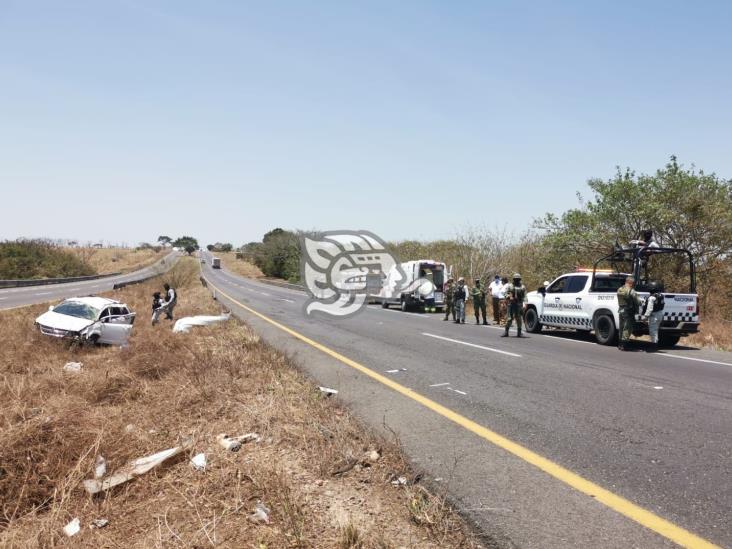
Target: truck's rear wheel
<point x="531" y="320"/>
<point x="668" y="340"/>
<point x="605" y="331"/>
<point x="385" y="304"/>
<point x="404" y="307"/>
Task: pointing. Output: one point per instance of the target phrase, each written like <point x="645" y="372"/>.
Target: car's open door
<point x="112" y="333"/>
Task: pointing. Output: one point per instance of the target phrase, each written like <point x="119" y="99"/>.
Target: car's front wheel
<point x="531" y="319"/>
<point x="668" y="340"/>
<point x="605" y="331"/>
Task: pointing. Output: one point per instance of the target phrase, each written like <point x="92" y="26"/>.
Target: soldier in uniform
<point x="629" y="302"/>
<point x="479" y="305"/>
<point x="654" y="313"/>
<point x="449" y="301"/>
<point x="516" y="299"/>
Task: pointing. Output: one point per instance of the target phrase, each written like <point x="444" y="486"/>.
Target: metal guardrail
<point x="289" y="285"/>
<point x="43" y="281"/>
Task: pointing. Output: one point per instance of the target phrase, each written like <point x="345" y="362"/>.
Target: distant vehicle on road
<point x="216" y="263"/>
<point x="88" y="319"/>
<point x="422" y="289"/>
<point x="587" y="299"/>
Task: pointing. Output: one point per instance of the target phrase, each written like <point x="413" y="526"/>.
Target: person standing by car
<point x="503" y="304"/>
<point x="495" y="289"/>
<point x="448" y="291"/>
<point x="171" y="300"/>
<point x="478" y="295"/>
<point x="516" y="298"/>
<point x="628" y="305"/>
<point x="654" y="313"/>
<point x="460" y="296"/>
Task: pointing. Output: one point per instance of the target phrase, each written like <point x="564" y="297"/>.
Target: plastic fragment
<point x="72" y="528"/>
<point x="73" y="367"/>
<point x="199" y="461"/>
<point x="234" y="443"/>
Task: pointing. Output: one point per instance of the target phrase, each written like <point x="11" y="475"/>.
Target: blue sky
<point x="125" y="120"/>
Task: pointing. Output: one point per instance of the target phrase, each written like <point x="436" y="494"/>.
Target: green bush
<point x="24" y="259"/>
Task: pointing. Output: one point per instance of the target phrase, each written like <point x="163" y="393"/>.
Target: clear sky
<point x="125" y="120"/>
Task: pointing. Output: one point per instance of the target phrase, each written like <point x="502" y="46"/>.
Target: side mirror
<point x="542" y="290"/>
<point x="50" y="308"/>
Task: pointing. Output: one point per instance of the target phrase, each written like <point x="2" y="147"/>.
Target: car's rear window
<point x="79" y="310"/>
<point x="608" y="283"/>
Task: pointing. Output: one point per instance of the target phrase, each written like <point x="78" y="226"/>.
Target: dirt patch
<point x="325" y="479"/>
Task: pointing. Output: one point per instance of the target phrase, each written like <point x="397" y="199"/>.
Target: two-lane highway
<point x="549" y="441"/>
<point x="29" y="295"/>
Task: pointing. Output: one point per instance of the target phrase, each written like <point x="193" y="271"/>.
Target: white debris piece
<point x="234" y="443"/>
<point x="100" y="467"/>
<point x="261" y="513"/>
<point x="328" y="391"/>
<point x="401" y="481"/>
<point x="199" y="461"/>
<point x="72" y="528"/>
<point x="134" y="469"/>
<point x="183" y="325"/>
<point x="99" y="523"/>
<point x="73" y="367"/>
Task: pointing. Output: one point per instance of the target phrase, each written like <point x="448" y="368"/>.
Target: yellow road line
<point x="621" y="505"/>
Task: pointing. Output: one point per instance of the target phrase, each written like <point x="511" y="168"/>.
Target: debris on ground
<point x="400" y="481"/>
<point x="261" y="513"/>
<point x="73" y="367"/>
<point x="234" y="443"/>
<point x="72" y="528"/>
<point x="328" y="391"/>
<point x="98" y="523"/>
<point x="100" y="467"/>
<point x="183" y="325"/>
<point x="372" y="456"/>
<point x="199" y="462"/>
<point x="134" y="469"/>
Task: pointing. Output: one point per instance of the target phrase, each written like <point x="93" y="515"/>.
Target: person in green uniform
<point x="629" y="303"/>
<point x="516" y="300"/>
<point x="479" y="305"/>
<point x="449" y="302"/>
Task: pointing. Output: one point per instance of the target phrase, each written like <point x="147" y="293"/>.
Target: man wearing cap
<point x="460" y="295"/>
<point x="495" y="288"/>
<point x="629" y="303"/>
<point x="516" y="298"/>
<point x="478" y="295"/>
<point x="448" y="290"/>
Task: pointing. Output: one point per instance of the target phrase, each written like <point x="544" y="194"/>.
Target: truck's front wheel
<point x="531" y="319"/>
<point x="405" y="306"/>
<point x="605" y="331"/>
<point x="385" y="304"/>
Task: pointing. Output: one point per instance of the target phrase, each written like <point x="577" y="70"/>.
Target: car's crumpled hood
<point x="63" y="322"/>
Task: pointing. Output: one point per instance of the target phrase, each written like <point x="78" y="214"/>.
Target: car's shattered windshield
<point x="77" y="309"/>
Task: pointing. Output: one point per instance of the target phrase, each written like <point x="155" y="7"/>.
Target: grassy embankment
<point x="312" y="467"/>
<point x="238" y="266"/>
<point x="117" y="260"/>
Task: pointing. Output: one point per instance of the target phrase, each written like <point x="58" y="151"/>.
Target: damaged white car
<point x="88" y="320"/>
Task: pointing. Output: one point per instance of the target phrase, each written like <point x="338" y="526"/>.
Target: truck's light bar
<point x="588" y="270"/>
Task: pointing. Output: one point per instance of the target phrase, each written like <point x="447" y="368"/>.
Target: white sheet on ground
<point x="184" y="324"/>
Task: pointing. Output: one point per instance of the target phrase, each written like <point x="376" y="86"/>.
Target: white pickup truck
<point x="422" y="288"/>
<point x="587" y="299"/>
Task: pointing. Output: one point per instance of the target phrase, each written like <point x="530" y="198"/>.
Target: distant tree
<point x="187" y="243"/>
<point x="164" y="240"/>
<point x="227" y="247"/>
<point x="210" y="247"/>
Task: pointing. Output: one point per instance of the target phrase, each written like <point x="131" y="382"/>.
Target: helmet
<point x="477" y="279"/>
<point x="516" y="275"/>
<point x="461" y="279"/>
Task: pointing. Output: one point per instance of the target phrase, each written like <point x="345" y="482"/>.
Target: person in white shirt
<point x="495" y="288"/>
<point x="171" y="299"/>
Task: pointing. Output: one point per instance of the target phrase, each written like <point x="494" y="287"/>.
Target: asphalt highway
<point x="29" y="295"/>
<point x="522" y="432"/>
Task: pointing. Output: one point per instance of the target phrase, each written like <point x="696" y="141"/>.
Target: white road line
<point x="397" y="370"/>
<point x="696" y="359"/>
<point x="460" y="392"/>
<point x="284" y="299"/>
<point x="265" y="293"/>
<point x="439" y="384"/>
<point x="471" y="345"/>
<point x="555" y="338"/>
<point x="43" y="293"/>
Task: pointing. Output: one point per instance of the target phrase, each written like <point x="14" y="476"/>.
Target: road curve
<point x="653" y="430"/>
<point x="19" y="297"/>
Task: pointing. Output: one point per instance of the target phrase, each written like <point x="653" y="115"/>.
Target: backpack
<point x="658" y="304"/>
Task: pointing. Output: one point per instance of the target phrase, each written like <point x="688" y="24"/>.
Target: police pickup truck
<point x="587" y="298"/>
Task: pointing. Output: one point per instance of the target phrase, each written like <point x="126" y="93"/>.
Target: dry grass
<point x="115" y="260"/>
<point x="715" y="333"/>
<point x="309" y="469"/>
<point x="238" y="266"/>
